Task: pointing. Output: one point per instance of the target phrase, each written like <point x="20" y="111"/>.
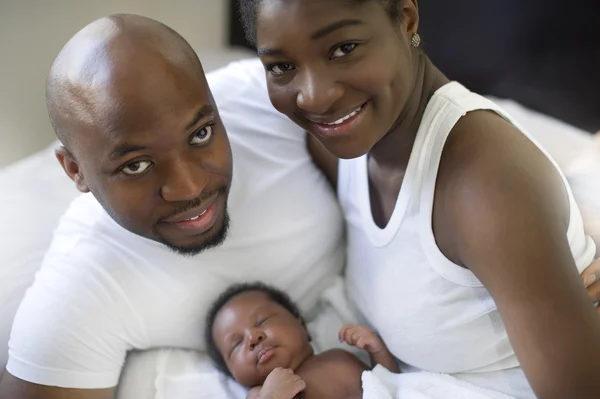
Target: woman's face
<point x="340" y="69"/>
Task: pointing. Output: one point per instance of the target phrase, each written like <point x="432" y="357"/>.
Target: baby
<point x="255" y="334"/>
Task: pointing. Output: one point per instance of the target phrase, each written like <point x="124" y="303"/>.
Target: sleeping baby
<point x="255" y="334"/>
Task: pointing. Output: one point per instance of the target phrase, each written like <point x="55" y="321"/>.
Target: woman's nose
<point x="318" y="93"/>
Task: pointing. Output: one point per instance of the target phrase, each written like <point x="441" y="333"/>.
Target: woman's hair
<point x="249" y="9"/>
<point x="274" y="294"/>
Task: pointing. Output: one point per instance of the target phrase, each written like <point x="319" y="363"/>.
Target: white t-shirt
<point x="103" y="291"/>
<point x="432" y="314"/>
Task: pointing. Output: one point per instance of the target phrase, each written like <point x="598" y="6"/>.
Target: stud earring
<point x="415" y="40"/>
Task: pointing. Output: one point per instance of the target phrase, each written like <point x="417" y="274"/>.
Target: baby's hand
<point x="362" y="337"/>
<point x="281" y="384"/>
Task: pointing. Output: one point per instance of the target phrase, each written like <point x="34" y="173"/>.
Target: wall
<point x="32" y="32"/>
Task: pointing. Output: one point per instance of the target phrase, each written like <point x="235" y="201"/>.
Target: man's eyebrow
<point x="202" y="113"/>
<point x="333" y="27"/>
<point x="122" y="150"/>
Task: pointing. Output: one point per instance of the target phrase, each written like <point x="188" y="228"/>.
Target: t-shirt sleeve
<point x="73" y="328"/>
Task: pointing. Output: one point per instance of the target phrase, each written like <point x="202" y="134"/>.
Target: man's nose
<point x="184" y="181"/>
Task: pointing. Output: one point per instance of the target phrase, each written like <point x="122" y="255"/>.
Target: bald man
<point x="136" y="263"/>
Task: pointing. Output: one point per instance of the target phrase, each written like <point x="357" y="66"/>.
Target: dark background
<point x="545" y="54"/>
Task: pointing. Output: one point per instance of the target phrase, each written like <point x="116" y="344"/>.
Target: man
<point x="136" y="264"/>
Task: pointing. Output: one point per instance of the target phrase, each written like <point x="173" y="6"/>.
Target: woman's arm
<point x="502" y="211"/>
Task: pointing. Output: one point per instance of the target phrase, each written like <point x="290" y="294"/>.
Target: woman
<point x="464" y="238"/>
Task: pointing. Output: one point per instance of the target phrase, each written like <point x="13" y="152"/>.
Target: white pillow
<point x="564" y="142"/>
<point x="584" y="177"/>
<point x="35" y="193"/>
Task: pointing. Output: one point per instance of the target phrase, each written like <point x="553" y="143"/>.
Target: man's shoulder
<point x="87" y="236"/>
<point x="84" y="222"/>
<point x="235" y="77"/>
<point x="240" y="92"/>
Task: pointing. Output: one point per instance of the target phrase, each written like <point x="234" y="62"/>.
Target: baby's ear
<point x="305" y="328"/>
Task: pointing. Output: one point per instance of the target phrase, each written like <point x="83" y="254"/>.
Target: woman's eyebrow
<point x="319" y="34"/>
<point x="333" y="27"/>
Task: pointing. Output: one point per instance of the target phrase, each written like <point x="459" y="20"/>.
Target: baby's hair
<point x="249" y="10"/>
<point x="274" y="294"/>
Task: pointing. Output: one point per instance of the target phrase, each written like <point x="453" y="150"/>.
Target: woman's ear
<point x="410" y="16"/>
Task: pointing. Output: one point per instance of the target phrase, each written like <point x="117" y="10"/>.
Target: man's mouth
<point x="197" y="220"/>
<point x="194" y="213"/>
<point x="196" y="217"/>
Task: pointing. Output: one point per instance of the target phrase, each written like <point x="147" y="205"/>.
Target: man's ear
<point x="71" y="168"/>
<point x="305" y="328"/>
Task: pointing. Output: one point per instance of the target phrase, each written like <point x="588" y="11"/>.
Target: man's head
<point x="128" y="99"/>
<point x="252" y="329"/>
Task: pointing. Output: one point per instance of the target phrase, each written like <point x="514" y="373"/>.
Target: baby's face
<point x="256" y="335"/>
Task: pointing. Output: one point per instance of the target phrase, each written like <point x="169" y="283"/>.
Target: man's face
<point x="155" y="154"/>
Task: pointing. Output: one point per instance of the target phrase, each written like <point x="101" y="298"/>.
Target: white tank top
<point x="433" y="314"/>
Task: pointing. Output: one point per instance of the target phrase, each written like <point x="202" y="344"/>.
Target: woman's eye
<point x="343" y="50"/>
<point x="202" y="136"/>
<point x="136" y="168"/>
<point x="279" y="69"/>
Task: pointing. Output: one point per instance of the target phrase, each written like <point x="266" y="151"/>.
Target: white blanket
<point x="382" y="384"/>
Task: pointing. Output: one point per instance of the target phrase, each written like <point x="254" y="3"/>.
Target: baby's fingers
<point x="346" y="333"/>
<point x="342" y="333"/>
<point x="362" y="343"/>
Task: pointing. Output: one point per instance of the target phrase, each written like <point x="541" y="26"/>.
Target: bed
<point x="36" y="192"/>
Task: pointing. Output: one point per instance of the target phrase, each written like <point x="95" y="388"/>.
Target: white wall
<point x="32" y="32"/>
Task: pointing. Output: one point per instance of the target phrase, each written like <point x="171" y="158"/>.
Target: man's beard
<point x="217" y="238"/>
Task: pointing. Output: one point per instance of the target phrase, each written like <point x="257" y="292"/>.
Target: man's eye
<point x="279" y="69"/>
<point x="343" y="50"/>
<point x="202" y="136"/>
<point x="136" y="168"/>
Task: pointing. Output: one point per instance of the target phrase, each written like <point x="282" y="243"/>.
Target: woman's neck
<point x="392" y="152"/>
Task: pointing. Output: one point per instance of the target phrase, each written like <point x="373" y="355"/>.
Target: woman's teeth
<point x="345" y="118"/>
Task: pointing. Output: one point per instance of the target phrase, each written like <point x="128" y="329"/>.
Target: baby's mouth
<point x="264" y="354"/>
